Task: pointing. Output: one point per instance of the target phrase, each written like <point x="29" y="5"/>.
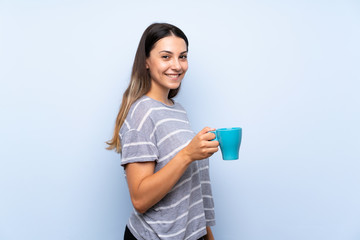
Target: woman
<point x="166" y="163"/>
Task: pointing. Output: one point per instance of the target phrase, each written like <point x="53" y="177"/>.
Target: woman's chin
<point x="174" y="85"/>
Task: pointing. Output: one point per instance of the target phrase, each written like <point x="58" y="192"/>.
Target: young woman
<point x="166" y="163"/>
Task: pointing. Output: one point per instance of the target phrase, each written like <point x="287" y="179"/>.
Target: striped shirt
<point x="154" y="131"/>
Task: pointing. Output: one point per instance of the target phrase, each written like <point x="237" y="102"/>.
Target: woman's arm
<point x="147" y="188"/>
<point x="209" y="235"/>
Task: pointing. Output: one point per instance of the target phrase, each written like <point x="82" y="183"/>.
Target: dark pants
<point x="128" y="235"/>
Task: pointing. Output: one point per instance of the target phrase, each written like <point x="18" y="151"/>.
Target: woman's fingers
<point x="212" y="144"/>
<point x="207" y="129"/>
<point x="210" y="152"/>
<point x="206" y="135"/>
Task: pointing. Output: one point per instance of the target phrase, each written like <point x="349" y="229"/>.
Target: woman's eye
<point x="183" y="57"/>
<point x="165" y="57"/>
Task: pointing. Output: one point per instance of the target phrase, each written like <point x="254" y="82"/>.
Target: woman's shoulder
<point x="140" y="107"/>
<point x="138" y="112"/>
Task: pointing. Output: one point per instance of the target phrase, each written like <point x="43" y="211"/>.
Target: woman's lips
<point x="173" y="76"/>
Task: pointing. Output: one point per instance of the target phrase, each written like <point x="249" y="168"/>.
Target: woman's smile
<point x="173" y="76"/>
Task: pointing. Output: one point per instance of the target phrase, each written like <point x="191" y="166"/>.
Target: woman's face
<point x="167" y="63"/>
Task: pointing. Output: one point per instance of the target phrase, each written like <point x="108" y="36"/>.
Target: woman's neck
<point x="160" y="94"/>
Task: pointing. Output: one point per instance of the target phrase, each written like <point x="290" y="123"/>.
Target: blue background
<point x="287" y="72"/>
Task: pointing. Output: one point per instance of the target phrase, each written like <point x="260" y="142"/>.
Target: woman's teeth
<point x="173" y="75"/>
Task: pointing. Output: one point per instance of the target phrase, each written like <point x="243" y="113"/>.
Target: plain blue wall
<point x="285" y="71"/>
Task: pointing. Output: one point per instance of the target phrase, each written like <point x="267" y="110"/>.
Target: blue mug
<point x="229" y="141"/>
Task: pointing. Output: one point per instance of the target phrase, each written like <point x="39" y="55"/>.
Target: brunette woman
<point x="166" y="163"/>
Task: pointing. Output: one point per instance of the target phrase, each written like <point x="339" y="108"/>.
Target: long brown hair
<point x="140" y="81"/>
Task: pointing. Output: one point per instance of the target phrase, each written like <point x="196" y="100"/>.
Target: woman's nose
<point x="176" y="65"/>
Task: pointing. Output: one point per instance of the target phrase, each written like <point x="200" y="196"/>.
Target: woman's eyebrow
<point x="169" y="52"/>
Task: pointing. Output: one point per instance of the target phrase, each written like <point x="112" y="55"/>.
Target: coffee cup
<point x="229" y="140"/>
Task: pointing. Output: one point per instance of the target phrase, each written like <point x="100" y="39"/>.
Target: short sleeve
<point x="137" y="147"/>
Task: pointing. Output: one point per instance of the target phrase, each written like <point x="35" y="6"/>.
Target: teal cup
<point x="229" y="141"/>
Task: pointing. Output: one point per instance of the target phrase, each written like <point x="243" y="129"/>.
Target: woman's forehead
<point x="170" y="43"/>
